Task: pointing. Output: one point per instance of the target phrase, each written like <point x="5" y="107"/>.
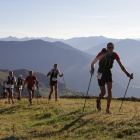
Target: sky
<point x="70" y="18"/>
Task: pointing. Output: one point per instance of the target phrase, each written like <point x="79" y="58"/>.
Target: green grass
<point x="64" y="120"/>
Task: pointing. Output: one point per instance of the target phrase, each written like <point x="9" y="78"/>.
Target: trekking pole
<point x="65" y="86"/>
<point x="125" y="92"/>
<point x="37" y="93"/>
<point x="87" y="94"/>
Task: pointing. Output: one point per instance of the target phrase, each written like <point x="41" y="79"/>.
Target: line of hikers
<point x="106" y="59"/>
<point x="11" y="82"/>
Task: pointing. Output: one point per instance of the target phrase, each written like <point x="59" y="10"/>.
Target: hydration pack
<point x="54" y="74"/>
<point x="106" y="62"/>
<point x="19" y="82"/>
<point x="10" y="81"/>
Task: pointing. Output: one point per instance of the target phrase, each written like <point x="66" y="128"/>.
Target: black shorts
<point x="9" y="89"/>
<point x="104" y="79"/>
<point x="19" y="89"/>
<point x="52" y="83"/>
<point x="30" y="88"/>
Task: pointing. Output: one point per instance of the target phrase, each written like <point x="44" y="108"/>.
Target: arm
<point x="49" y="73"/>
<point x="6" y="79"/>
<point x="15" y="82"/>
<point x="37" y="83"/>
<point x="24" y="84"/>
<point x="4" y="83"/>
<point x="61" y="75"/>
<point x="93" y="65"/>
<point x="124" y="69"/>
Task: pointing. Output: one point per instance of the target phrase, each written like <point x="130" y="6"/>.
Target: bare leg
<point x="51" y="90"/>
<point x="9" y="96"/>
<point x="12" y="95"/>
<point x="103" y="92"/>
<point x="56" y="90"/>
<point x="109" y="87"/>
<point x="19" y="94"/>
<point x="33" y="93"/>
<point x="30" y="95"/>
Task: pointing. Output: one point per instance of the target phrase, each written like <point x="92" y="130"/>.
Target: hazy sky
<point x="70" y="18"/>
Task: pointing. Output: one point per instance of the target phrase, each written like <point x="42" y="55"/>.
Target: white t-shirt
<point x="20" y="86"/>
<point x="9" y="85"/>
<point x="58" y="73"/>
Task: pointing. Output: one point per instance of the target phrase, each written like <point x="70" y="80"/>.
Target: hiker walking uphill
<point x="31" y="80"/>
<point x="10" y="81"/>
<point x="106" y="60"/>
<point x="53" y="81"/>
<point x="20" y="81"/>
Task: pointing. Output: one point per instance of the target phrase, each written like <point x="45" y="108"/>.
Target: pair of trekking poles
<point x="88" y="90"/>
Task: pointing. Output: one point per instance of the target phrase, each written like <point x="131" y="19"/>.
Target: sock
<point x="99" y="100"/>
<point x="108" y="106"/>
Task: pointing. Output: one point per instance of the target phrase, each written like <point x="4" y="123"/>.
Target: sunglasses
<point x="110" y="47"/>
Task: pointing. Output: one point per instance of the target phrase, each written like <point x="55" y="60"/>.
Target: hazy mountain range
<point x="41" y="55"/>
<point x="81" y="43"/>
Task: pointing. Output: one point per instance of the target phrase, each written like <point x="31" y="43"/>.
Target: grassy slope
<point x="64" y="120"/>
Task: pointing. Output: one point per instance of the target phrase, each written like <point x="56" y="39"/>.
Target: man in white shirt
<point x="20" y="82"/>
<point x="53" y="81"/>
<point x="10" y="82"/>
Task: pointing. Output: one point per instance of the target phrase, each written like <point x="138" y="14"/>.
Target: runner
<point x="4" y="95"/>
<point x="10" y="81"/>
<point x="19" y="86"/>
<point x="106" y="60"/>
<point x="31" y="80"/>
<point x="53" y="81"/>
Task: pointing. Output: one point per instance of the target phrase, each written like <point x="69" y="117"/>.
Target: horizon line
<point x="63" y="38"/>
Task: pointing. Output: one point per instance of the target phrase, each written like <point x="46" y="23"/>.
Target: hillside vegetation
<point x="64" y="120"/>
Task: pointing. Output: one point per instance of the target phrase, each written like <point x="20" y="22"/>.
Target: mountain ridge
<point x="40" y="55"/>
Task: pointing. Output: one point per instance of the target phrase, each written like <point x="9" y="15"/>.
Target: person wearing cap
<point x="10" y="81"/>
<point x="20" y="81"/>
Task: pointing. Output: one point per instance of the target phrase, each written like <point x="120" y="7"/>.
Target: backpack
<point x="19" y="82"/>
<point x="54" y="75"/>
<point x="10" y="81"/>
<point x="106" y="62"/>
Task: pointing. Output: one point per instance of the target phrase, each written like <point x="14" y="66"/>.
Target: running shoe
<point x="13" y="102"/>
<point x="31" y="103"/>
<point x="108" y="111"/>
